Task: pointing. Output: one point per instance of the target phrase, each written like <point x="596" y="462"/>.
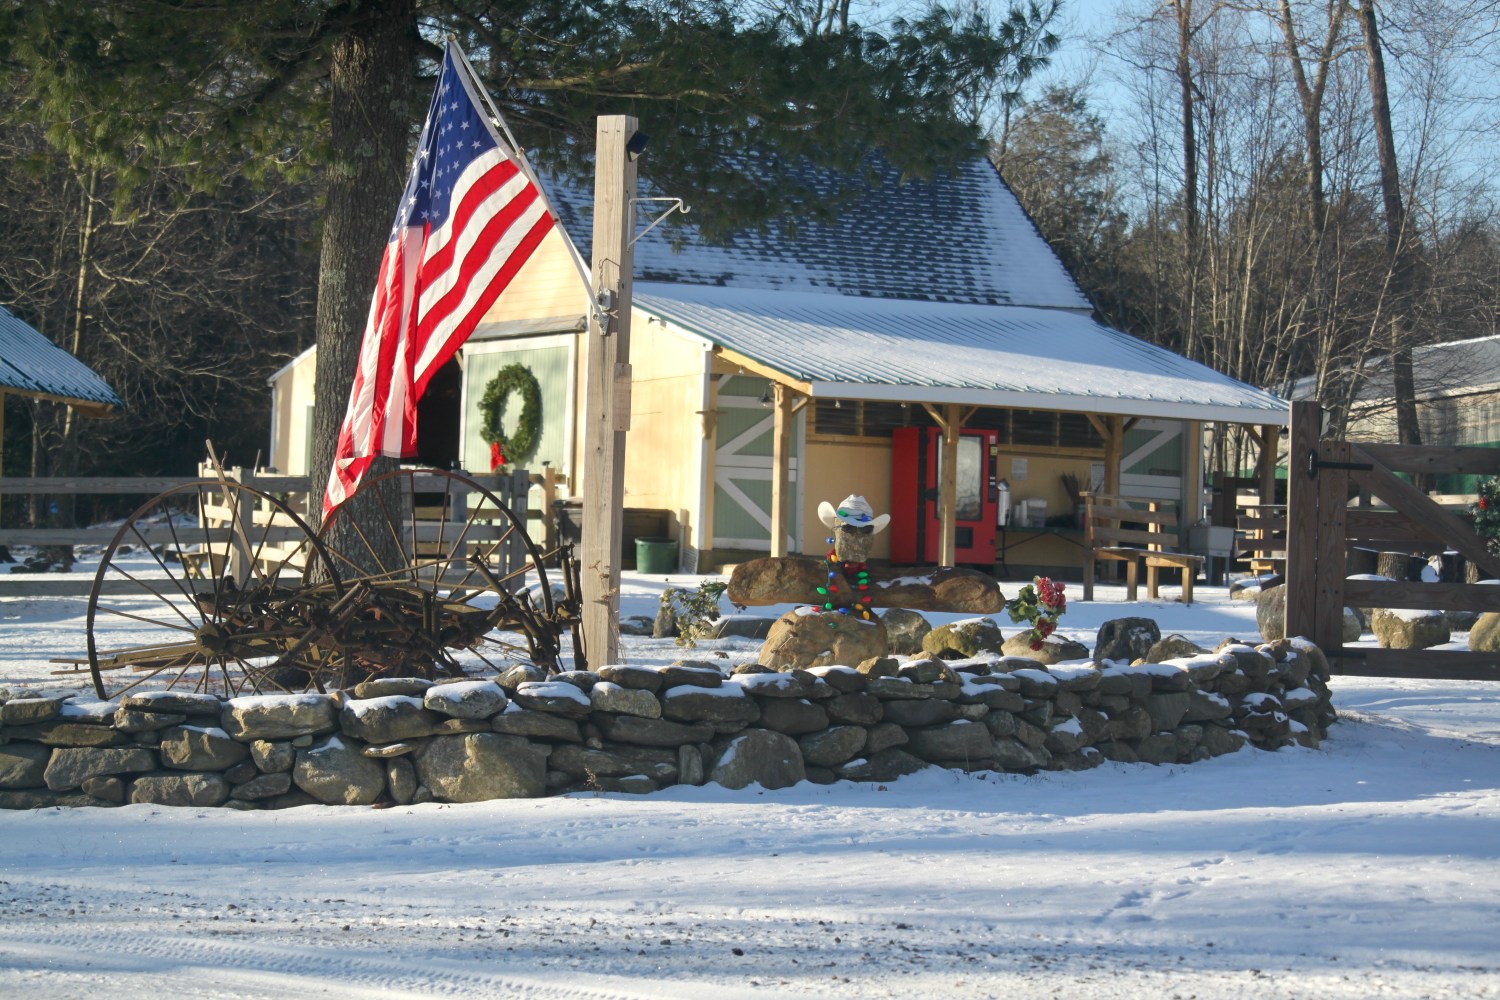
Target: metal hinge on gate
<point x="1314" y="463"/>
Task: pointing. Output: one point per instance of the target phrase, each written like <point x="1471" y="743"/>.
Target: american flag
<point x="471" y="216"/>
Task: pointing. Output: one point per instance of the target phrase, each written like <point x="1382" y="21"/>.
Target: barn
<point x="823" y="357"/>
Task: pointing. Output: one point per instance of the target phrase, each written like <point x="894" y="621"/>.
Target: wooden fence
<point x="1324" y="474"/>
<point x="511" y="488"/>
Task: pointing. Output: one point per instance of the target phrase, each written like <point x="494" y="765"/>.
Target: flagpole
<point x="498" y="121"/>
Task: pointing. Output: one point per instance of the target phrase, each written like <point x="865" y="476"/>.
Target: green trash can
<point x="655" y="555"/>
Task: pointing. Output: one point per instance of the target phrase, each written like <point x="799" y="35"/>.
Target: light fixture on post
<point x="765" y="397"/>
<point x="636" y="144"/>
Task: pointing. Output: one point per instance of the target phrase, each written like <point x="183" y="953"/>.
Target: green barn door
<point x="742" y="468"/>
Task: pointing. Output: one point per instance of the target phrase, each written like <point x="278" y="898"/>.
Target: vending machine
<point x="916" y="519"/>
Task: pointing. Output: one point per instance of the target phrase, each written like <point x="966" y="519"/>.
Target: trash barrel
<point x="655" y="555"/>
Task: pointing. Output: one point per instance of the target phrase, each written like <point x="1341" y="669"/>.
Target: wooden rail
<point x="297" y="491"/>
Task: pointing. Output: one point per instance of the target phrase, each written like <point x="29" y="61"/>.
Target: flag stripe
<point x="468" y="221"/>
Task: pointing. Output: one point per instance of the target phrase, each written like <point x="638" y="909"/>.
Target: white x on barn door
<point x="742" y="470"/>
<point x="1151" y="465"/>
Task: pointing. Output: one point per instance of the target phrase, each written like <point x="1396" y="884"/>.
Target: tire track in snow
<point x="183" y="966"/>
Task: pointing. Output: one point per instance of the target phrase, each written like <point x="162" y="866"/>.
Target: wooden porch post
<point x="1112" y="429"/>
<point x="948" y="486"/>
<point x="1192" y="480"/>
<point x="607" y="400"/>
<point x="781" y="458"/>
<point x="1270" y="438"/>
<point x="950" y="420"/>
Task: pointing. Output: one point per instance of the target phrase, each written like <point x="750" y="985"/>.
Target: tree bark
<point x="370" y="79"/>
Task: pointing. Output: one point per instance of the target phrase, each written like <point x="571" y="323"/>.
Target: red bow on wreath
<point x="497" y="457"/>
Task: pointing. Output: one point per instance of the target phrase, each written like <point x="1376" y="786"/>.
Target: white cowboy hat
<point x="854" y="511"/>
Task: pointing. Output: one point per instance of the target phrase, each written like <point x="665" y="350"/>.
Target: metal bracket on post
<point x="676" y="206"/>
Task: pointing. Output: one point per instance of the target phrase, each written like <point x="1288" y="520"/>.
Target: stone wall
<point x="637" y="729"/>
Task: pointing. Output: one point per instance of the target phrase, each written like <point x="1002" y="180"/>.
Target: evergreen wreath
<point x="520" y="443"/>
<point x="1486" y="512"/>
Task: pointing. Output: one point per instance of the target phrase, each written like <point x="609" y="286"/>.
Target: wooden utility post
<point x="607" y="400"/>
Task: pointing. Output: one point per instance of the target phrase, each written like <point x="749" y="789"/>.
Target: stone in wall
<point x="480" y="766"/>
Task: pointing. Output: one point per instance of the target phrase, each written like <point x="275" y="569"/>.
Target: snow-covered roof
<point x="939" y="291"/>
<point x="840" y="346"/>
<point x="1453" y="368"/>
<point x="32" y="365"/>
<point x="958" y="238"/>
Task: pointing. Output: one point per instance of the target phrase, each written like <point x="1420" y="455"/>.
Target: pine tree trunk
<point x="372" y="86"/>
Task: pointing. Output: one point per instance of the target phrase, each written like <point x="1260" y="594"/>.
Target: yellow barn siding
<point x="663" y="455"/>
<point x="291" y="409"/>
<point x="835" y="470"/>
<point x="547" y="285"/>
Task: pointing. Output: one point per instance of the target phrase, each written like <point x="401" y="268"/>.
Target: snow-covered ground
<point x="1368" y="868"/>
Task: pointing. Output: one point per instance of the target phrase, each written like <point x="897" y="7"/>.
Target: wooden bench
<point x="1154" y="545"/>
<point x="1260" y="537"/>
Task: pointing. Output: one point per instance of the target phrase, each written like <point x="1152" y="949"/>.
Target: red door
<point x="916" y="525"/>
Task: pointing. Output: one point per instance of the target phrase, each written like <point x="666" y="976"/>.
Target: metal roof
<point x="32" y="365"/>
<point x="842" y="346"/>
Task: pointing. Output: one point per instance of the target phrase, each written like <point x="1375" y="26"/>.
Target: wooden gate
<point x="1323" y="475"/>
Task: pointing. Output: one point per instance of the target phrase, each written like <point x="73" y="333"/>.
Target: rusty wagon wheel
<point x="201" y="589"/>
<point x="443" y="565"/>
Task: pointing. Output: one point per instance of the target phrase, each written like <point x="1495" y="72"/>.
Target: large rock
<point x="957" y="741"/>
<point x="607" y="696"/>
<point x="387" y="719"/>
<point x="1484" y="634"/>
<point x="518" y="721"/>
<point x="271" y="757"/>
<point x="881" y="765"/>
<point x="265" y="786"/>
<point x="192" y="790"/>
<point x="918" y="711"/>
<point x="1126" y="639"/>
<point x="686" y="703"/>
<point x="904" y="631"/>
<point x="336" y="773"/>
<point x="758" y="756"/>
<point x="466" y="699"/>
<point x="584" y="763"/>
<point x="70" y="767"/>
<point x="557" y="697"/>
<point x="193" y="748"/>
<point x="1270" y="617"/>
<point x="964" y="640"/>
<point x="793" y="716"/>
<point x="25" y="711"/>
<point x="278" y="716"/>
<point x="652" y="732"/>
<point x="185" y="702"/>
<point x="1053" y="649"/>
<point x="480" y="766"/>
<point x="833" y="746"/>
<point x="855" y="708"/>
<point x="796" y="579"/>
<point x="61" y="733"/>
<point x="806" y="637"/>
<point x="629" y="675"/>
<point x="1403" y="629"/>
<point x="1270" y="613"/>
<point x="23" y="765"/>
